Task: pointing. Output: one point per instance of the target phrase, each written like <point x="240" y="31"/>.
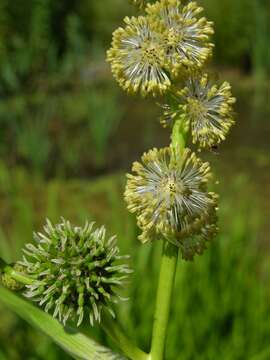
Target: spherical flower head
<point x="76" y="271"/>
<point x="137" y="57"/>
<point x="186" y="36"/>
<point x="169" y="194"/>
<point x="208" y="108"/>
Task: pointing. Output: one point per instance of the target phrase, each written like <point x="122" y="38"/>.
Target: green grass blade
<point x="264" y="355"/>
<point x="5" y="248"/>
<point x="70" y="339"/>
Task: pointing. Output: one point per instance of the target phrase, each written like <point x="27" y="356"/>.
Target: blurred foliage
<point x="221" y="301"/>
<point x="60" y="115"/>
<point x="60" y="133"/>
<point x="43" y="37"/>
<point x="59" y="104"/>
<point x="53" y="87"/>
<point x="241" y="32"/>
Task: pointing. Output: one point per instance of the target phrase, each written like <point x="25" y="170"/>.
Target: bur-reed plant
<point x="75" y="273"/>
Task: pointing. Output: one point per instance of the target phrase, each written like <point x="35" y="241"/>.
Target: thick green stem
<point x="179" y="133"/>
<point x="167" y="269"/>
<point x="163" y="303"/>
<point x="112" y="328"/>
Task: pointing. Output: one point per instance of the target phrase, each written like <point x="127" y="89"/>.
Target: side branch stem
<point x="113" y="329"/>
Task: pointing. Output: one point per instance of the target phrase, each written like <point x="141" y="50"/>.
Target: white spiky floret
<point x="208" y="108"/>
<point x="186" y="35"/>
<point x="137" y="57"/>
<point x="168" y="192"/>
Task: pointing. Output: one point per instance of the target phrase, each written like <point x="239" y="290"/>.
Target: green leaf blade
<point x="68" y="338"/>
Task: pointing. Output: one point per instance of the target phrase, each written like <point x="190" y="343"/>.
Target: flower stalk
<point x="167" y="272"/>
<point x="164" y="298"/>
<point x="115" y="332"/>
<point x="179" y="134"/>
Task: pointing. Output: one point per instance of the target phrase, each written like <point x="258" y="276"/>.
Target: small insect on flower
<point x="186" y="36"/>
<point x="169" y="194"/>
<point x="137" y="57"/>
<point x="209" y="110"/>
<point x="76" y="271"/>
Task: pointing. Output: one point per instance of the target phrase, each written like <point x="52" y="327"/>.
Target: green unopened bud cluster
<point x="76" y="271"/>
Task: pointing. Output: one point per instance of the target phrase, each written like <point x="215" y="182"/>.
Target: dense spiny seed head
<point x="137" y="57"/>
<point x="185" y="35"/>
<point x="169" y="195"/>
<point x="77" y="271"/>
<point x="208" y="108"/>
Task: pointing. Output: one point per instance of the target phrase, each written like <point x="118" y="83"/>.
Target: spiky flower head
<point x="76" y="270"/>
<point x="169" y="194"/>
<point x="137" y="57"/>
<point x="186" y="36"/>
<point x="208" y="108"/>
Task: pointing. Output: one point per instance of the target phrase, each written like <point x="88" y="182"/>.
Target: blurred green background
<point x="67" y="136"/>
